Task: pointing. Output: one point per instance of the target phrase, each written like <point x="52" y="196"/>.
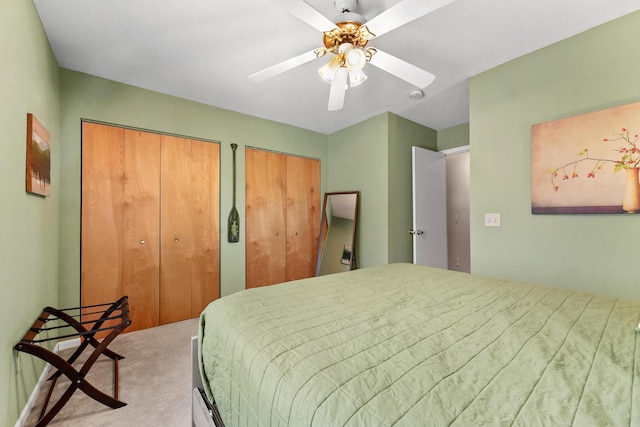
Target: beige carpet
<point x="155" y="382"/>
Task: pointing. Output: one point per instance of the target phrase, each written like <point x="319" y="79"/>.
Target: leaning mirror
<point x="336" y="245"/>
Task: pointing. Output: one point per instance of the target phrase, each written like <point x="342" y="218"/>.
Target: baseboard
<point x="61" y="345"/>
<point x="67" y="344"/>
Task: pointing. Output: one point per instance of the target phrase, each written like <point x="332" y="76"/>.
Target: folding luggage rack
<point x="111" y="317"/>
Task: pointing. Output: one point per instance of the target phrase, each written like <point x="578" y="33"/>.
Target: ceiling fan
<point x="346" y="37"/>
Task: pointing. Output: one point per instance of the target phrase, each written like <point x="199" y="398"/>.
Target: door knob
<point x="142" y="241"/>
<point x="414" y="232"/>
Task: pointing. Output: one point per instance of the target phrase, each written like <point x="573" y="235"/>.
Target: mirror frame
<point x="324" y="229"/>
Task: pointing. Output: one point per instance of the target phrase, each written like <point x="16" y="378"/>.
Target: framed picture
<point x="587" y="163"/>
<point x="346" y="255"/>
<point x="38" y="177"/>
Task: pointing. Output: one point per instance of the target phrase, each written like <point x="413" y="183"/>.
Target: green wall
<point x="453" y="137"/>
<point x="94" y="98"/>
<point x="403" y="134"/>
<point x="591" y="71"/>
<point x="28" y="223"/>
<point x="374" y="157"/>
<point x="358" y="161"/>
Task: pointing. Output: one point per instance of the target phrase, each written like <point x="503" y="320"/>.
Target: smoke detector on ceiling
<point x="416" y="94"/>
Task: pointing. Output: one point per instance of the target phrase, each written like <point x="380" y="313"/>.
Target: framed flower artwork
<point x="587" y="163"/>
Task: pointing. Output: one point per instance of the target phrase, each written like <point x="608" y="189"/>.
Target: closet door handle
<point x="414" y="232"/>
<point x="176" y="240"/>
<point x="142" y="241"/>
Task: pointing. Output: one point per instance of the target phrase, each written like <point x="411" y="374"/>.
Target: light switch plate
<point x="492" y="220"/>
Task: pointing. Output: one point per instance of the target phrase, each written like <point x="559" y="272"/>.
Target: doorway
<point x="441" y="230"/>
<point x="458" y="222"/>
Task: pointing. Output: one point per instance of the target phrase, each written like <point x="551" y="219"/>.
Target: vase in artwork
<point x="631" y="202"/>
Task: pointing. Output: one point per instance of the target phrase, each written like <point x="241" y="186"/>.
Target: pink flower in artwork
<point x="629" y="158"/>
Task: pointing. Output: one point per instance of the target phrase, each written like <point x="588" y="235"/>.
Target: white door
<point x="429" y="208"/>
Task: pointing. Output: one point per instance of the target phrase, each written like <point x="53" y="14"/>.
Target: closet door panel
<point x="150" y="223"/>
<point x="176" y="230"/>
<point x="102" y="214"/>
<point x="303" y="216"/>
<point x="265" y="229"/>
<point x="141" y="237"/>
<point x="205" y="180"/>
<point x="277" y="216"/>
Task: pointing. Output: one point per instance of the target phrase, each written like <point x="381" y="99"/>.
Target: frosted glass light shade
<point x="328" y="71"/>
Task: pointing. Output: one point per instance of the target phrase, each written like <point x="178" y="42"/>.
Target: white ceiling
<point x="203" y="50"/>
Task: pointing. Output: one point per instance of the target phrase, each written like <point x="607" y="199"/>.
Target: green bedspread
<point x="416" y="346"/>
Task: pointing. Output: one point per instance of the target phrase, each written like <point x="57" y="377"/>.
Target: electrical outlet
<point x="492" y="220"/>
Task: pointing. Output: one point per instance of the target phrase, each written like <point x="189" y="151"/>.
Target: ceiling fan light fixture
<point x="356" y="77"/>
<point x="345" y="48"/>
<point x="356" y="59"/>
<point x="328" y="71"/>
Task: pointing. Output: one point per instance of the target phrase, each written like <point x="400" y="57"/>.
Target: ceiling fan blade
<point x="283" y="66"/>
<point x="303" y="11"/>
<point x="402" y="69"/>
<point x="403" y="13"/>
<point x="338" y="89"/>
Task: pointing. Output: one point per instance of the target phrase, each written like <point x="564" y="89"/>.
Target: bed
<point x="410" y="345"/>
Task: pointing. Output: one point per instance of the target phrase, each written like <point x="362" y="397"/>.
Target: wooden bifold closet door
<point x="282" y="202"/>
<point x="150" y="221"/>
<point x="189" y="229"/>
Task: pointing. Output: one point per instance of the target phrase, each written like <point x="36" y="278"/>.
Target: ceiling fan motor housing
<point x="347" y="32"/>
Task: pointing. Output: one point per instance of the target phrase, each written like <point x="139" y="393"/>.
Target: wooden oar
<point x="234" y="218"/>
